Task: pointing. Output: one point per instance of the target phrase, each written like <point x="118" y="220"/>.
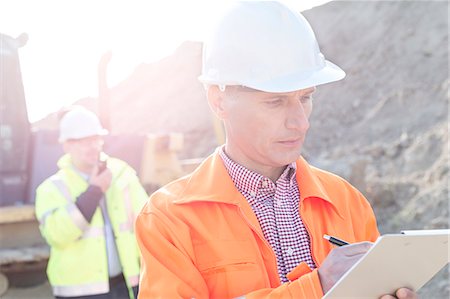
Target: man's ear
<point x="216" y="101"/>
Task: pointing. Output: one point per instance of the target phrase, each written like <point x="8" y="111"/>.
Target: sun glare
<point x="68" y="38"/>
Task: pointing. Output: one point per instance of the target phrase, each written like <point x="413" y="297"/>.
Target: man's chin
<point x="293" y="155"/>
<point x="286" y="160"/>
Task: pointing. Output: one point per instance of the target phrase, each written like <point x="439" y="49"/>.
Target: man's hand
<point x="402" y="293"/>
<point x="102" y="180"/>
<point x="339" y="261"/>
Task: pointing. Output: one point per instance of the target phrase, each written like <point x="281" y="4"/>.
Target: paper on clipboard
<point x="409" y="260"/>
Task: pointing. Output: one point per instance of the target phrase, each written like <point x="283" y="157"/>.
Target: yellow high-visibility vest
<point x="78" y="263"/>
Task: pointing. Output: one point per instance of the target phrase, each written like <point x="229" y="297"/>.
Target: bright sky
<point x="67" y="38"/>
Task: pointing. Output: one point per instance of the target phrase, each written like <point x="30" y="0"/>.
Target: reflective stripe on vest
<point x="127" y="226"/>
<point x="71" y="208"/>
<point x="81" y="289"/>
<point x="93" y="232"/>
<point x="45" y="215"/>
<point x="77" y="217"/>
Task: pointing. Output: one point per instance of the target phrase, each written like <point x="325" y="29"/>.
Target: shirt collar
<point x="248" y="181"/>
<point x="211" y="182"/>
<point x="310" y="186"/>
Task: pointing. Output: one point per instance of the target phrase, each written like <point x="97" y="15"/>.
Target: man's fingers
<point x="405" y="293"/>
<point x="402" y="293"/>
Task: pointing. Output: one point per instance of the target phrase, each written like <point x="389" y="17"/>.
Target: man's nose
<point x="297" y="117"/>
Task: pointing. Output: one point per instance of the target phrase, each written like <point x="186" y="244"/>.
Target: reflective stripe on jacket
<point x="78" y="263"/>
<point x="199" y="238"/>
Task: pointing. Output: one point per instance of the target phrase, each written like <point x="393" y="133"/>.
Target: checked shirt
<point x="276" y="206"/>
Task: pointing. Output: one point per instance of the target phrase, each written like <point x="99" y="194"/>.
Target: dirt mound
<point x="388" y="120"/>
<point x="385" y="127"/>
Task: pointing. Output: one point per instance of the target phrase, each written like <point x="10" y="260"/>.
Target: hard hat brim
<point x="292" y="82"/>
<point x="102" y="132"/>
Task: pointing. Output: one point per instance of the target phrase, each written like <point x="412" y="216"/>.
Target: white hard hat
<point x="80" y="123"/>
<point x="266" y="46"/>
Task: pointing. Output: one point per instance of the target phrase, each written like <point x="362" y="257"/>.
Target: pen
<point x="335" y="241"/>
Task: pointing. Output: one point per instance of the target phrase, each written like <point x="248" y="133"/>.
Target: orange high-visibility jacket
<point x="199" y="237"/>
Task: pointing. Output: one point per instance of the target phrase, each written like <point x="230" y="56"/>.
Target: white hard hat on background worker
<point x="253" y="47"/>
<point x="80" y="123"/>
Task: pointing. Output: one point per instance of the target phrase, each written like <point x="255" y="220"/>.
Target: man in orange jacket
<point x="249" y="221"/>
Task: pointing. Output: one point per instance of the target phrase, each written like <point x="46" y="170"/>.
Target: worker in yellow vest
<point x="86" y="213"/>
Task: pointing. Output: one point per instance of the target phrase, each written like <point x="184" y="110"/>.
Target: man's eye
<point x="305" y="99"/>
<point x="275" y="102"/>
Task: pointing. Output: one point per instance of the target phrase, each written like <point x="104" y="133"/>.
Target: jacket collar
<point x="311" y="187"/>
<point x="72" y="174"/>
<point x="65" y="161"/>
<point x="211" y="182"/>
<point x="308" y="182"/>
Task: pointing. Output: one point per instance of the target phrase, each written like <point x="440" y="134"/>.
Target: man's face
<point x="85" y="152"/>
<point x="265" y="129"/>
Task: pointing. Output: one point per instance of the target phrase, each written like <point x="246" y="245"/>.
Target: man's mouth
<point x="291" y="141"/>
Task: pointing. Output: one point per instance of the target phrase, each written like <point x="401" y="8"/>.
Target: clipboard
<point x="409" y="259"/>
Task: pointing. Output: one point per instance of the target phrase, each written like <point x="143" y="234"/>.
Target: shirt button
<point x="252" y="193"/>
<point x="265" y="184"/>
<point x="290" y="251"/>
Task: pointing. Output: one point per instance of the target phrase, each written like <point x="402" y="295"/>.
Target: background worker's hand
<point x="402" y="293"/>
<point x="339" y="261"/>
<point x="102" y="179"/>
